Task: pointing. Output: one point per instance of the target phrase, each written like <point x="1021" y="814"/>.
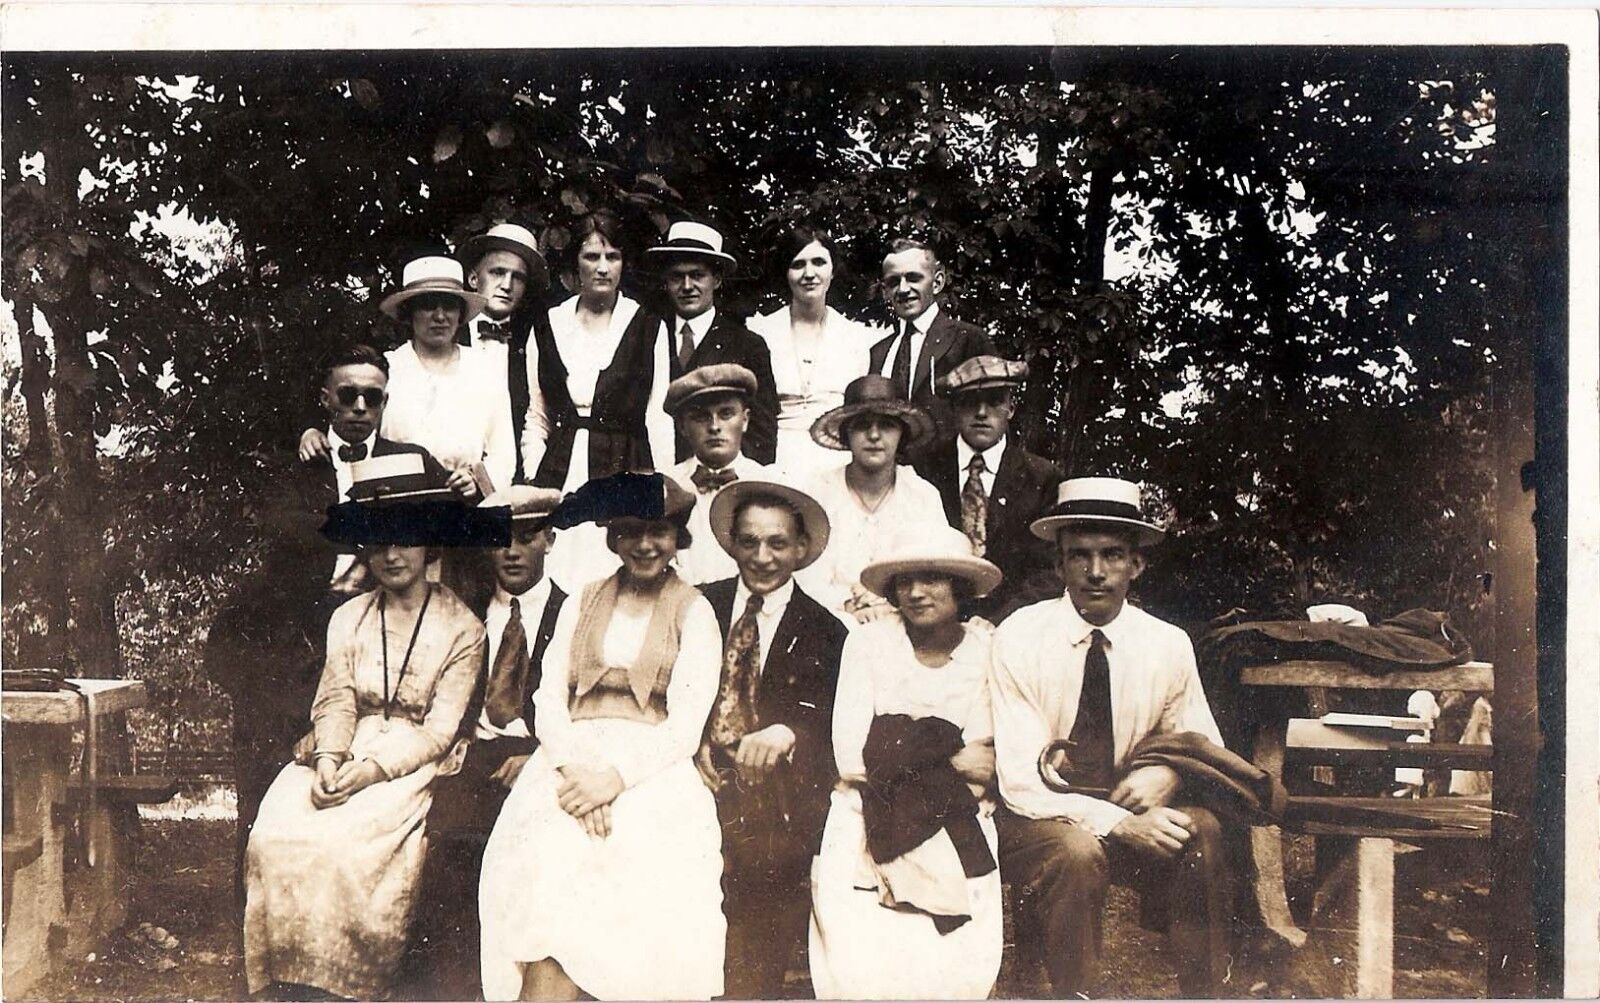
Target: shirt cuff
<point x="1100" y="817"/>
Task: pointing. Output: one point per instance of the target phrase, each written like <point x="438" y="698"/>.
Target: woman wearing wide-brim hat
<point x="335" y="855"/>
<point x="871" y="496"/>
<point x="912" y="699"/>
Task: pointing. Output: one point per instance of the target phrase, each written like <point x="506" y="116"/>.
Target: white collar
<point x="772" y="604"/>
<point x="1079" y="629"/>
<point x="991" y="456"/>
<point x="535" y="598"/>
<point x="924" y="320"/>
<point x="335" y="441"/>
<point x="699" y="325"/>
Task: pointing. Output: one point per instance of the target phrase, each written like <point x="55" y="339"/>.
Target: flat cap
<point x="525" y="501"/>
<point x="721" y="378"/>
<point x="981" y="372"/>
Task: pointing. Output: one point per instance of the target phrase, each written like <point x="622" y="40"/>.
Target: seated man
<point x="519" y="617"/>
<point x="711" y="405"/>
<point x="1059" y="850"/>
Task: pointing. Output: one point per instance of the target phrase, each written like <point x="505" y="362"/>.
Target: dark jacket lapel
<point x="940" y="334"/>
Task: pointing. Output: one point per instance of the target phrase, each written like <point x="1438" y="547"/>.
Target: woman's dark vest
<point x="617" y="439"/>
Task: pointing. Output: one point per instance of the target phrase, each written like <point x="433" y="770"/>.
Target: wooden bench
<point x="1370" y="843"/>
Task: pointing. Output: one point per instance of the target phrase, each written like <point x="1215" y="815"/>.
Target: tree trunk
<point x="1087" y="381"/>
<point x="35" y="381"/>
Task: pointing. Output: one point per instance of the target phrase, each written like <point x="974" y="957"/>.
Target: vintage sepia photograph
<point x="712" y="502"/>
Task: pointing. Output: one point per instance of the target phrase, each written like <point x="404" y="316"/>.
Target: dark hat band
<point x="689" y="244"/>
<point x="1098" y="507"/>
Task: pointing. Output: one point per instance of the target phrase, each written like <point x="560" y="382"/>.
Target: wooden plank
<point x="1427" y="755"/>
<point x="1473" y="812"/>
<point x="1474" y="677"/>
<point x="1375" y="919"/>
<point x="111" y="696"/>
<point x="1266" y="850"/>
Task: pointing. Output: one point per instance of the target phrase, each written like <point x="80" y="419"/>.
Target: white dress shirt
<point x="531" y="606"/>
<point x="342" y="480"/>
<point x="704" y="560"/>
<point x="919" y="337"/>
<point x="991" y="463"/>
<point x="1036" y="679"/>
<point x="461" y="415"/>
<point x="859" y="537"/>
<point x="698" y="326"/>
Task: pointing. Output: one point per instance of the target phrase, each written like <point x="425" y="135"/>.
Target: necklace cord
<point x="383" y="630"/>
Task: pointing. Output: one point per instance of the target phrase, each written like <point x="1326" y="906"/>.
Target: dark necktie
<point x="1092" y="754"/>
<point x="509" y="676"/>
<point x="494" y="330"/>
<point x="900" y="372"/>
<point x="975" y="506"/>
<point x="685" y="347"/>
<point x="735" y="714"/>
<point x="707" y="480"/>
<point x="350" y="454"/>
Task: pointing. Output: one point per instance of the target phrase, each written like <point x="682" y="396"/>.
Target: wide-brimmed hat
<point x="687" y="239"/>
<point x="873" y="394"/>
<point x="728" y="499"/>
<point x="519" y="240"/>
<point x="982" y="372"/>
<point x="719" y="378"/>
<point x="624" y="495"/>
<point x="433" y="273"/>
<point x="526" y="502"/>
<point x="941" y="550"/>
<point x="1097" y="501"/>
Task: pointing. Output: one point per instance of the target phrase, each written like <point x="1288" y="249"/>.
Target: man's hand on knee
<point x="1145" y="788"/>
<point x="1160" y="832"/>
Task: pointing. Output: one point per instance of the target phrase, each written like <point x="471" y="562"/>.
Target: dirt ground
<point x="184" y="875"/>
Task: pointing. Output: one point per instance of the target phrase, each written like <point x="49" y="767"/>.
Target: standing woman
<point x="603" y="873"/>
<point x="597" y="380"/>
<point x="871" y="497"/>
<point x="816" y="350"/>
<point x="333" y="861"/>
<point x="906" y="900"/>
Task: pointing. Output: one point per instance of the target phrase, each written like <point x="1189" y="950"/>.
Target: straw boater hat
<point x="982" y="372"/>
<point x="727" y="501"/>
<point x="687" y="239"/>
<point x="396" y="500"/>
<point x="526" y="502"/>
<point x="1097" y="501"/>
<point x="720" y="378"/>
<point x="433" y="273"/>
<point x="939" y="549"/>
<point x="519" y="240"/>
<point x="873" y="394"/>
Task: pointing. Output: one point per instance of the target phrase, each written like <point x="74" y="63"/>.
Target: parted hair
<point x="602" y="221"/>
<point x="352" y="353"/>
<point x="899" y="244"/>
<point x="796" y="239"/>
<point x="758" y="499"/>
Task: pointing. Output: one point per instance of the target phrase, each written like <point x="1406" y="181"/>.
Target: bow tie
<point x="351" y="454"/>
<point x="707" y="480"/>
<point x="494" y="330"/>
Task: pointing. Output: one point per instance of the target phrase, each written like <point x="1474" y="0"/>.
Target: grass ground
<point x="183" y="883"/>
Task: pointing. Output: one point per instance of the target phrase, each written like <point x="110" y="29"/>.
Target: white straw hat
<point x="1099" y="501"/>
<point x="686" y="239"/>
<point x="941" y="550"/>
<point x="433" y="273"/>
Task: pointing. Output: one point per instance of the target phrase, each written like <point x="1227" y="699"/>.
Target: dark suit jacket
<point x="1024" y="486"/>
<point x="728" y="340"/>
<point x="797" y="688"/>
<point x="949" y="343"/>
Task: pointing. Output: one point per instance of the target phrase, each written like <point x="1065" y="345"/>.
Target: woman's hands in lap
<point x="586" y="789"/>
<point x="334" y="786"/>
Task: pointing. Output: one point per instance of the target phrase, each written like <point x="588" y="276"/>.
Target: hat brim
<point x="474" y="248"/>
<point x="826" y="430"/>
<point x="984" y="384"/>
<point x="663" y="256"/>
<point x="1048" y="526"/>
<point x="472" y="303"/>
<point x="683" y="402"/>
<point x="977" y="572"/>
<point x="726" y="501"/>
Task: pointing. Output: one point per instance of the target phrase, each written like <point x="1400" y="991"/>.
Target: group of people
<point x="775" y="660"/>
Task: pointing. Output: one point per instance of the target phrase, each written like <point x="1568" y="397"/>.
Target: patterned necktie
<point x="494" y="330"/>
<point x="509" y="676"/>
<point x="975" y="506"/>
<point x="685" y="347"/>
<point x="707" y="480"/>
<point x="900" y="372"/>
<point x="351" y="454"/>
<point x="1093" y="759"/>
<point x="735" y="714"/>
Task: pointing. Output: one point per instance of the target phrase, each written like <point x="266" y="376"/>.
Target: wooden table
<point x="1374" y="849"/>
<point x="58" y="907"/>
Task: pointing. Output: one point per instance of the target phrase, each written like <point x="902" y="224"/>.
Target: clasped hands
<point x="586" y="793"/>
<point x="337" y="783"/>
<point x="1154" y="828"/>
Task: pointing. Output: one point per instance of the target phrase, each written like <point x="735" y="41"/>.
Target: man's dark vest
<point x="617" y="439"/>
<point x="541" y="641"/>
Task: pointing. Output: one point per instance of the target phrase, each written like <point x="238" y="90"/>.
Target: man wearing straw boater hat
<point x="693" y="264"/>
<point x="711" y="406"/>
<point x="767" y="751"/>
<point x="496" y="740"/>
<point x="993" y="488"/>
<point x="1103" y="675"/>
<point x="504" y="264"/>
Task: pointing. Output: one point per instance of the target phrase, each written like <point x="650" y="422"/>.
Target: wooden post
<point x="1375" y="919"/>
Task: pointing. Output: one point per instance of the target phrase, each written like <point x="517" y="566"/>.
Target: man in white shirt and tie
<point x="927" y="343"/>
<point x="1104" y="675"/>
<point x="504" y="264"/>
<point x="711" y="405"/>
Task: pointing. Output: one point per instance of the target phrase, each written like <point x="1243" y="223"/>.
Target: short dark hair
<point x="796" y="239"/>
<point x="680" y="523"/>
<point x="601" y="221"/>
<point x="899" y="244"/>
<point x="960" y="587"/>
<point x="355" y="353"/>
<point x="769" y="500"/>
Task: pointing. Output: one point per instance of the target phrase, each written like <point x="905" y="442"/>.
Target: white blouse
<point x="808" y="388"/>
<point x="859" y="537"/>
<point x="462" y="415"/>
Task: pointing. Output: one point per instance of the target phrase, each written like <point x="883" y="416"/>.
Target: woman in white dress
<point x="596" y="384"/>
<point x="816" y="350"/>
<point x="603" y="873"/>
<point x="870" y="498"/>
<point x="923" y="922"/>
<point x="336" y="852"/>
